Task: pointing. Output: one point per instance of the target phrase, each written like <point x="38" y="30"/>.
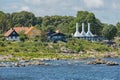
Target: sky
<point x="107" y="11"/>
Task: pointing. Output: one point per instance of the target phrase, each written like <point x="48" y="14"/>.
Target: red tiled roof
<point x="29" y="30"/>
<point x="19" y="29"/>
<point x="8" y="32"/>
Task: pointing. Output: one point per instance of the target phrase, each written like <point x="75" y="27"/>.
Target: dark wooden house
<point x="56" y="36"/>
<point x="11" y="35"/>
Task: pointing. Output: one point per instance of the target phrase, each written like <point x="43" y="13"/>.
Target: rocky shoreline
<point x="22" y="63"/>
<point x="102" y="61"/>
<point x="36" y="62"/>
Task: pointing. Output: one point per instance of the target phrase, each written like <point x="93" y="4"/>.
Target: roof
<point x="29" y="30"/>
<point x="77" y="34"/>
<point x="56" y="34"/>
<point x="19" y="29"/>
<point x="50" y="33"/>
<point x="32" y="28"/>
<point x="8" y="32"/>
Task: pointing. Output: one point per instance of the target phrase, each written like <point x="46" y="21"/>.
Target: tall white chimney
<point x="89" y="34"/>
<point x="89" y="27"/>
<point x="82" y="27"/>
<point x="77" y="29"/>
<point x="82" y="34"/>
<point x="77" y="34"/>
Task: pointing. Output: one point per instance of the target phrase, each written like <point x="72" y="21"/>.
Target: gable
<point x="14" y="33"/>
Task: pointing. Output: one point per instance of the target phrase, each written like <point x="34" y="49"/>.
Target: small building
<point x="56" y="36"/>
<point x="11" y="35"/>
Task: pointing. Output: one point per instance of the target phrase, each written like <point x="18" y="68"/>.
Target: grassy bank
<point x="47" y="50"/>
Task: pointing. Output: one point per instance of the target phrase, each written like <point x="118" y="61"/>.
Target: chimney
<point x="77" y="34"/>
<point x="89" y="27"/>
<point x="82" y="34"/>
<point x="82" y="27"/>
<point x="11" y="28"/>
<point x="89" y="34"/>
<point x="77" y="27"/>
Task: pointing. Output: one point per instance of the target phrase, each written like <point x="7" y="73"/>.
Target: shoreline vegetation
<point x="96" y="59"/>
<point x="30" y="52"/>
<point x="73" y="49"/>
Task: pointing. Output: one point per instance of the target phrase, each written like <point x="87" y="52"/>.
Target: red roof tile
<point x="8" y="32"/>
<point x="19" y="29"/>
<point x="29" y="30"/>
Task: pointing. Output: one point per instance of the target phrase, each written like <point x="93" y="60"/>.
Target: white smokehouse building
<point x="87" y="36"/>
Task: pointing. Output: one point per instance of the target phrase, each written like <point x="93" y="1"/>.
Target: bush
<point x="2" y="44"/>
<point x="102" y="48"/>
<point x="75" y="44"/>
<point x="34" y="49"/>
<point x="2" y="49"/>
<point x="16" y="50"/>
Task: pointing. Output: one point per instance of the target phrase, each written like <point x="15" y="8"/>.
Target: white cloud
<point x="77" y="8"/>
<point x="116" y="5"/>
<point x="13" y="6"/>
<point x="94" y="3"/>
<point x="35" y="2"/>
<point x="25" y="8"/>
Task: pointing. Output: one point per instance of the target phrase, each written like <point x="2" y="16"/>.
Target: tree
<point x="3" y="21"/>
<point x="87" y="17"/>
<point x="118" y="28"/>
<point x="23" y="18"/>
<point x="109" y="32"/>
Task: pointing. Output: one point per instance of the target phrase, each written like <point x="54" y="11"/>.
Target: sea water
<point x="62" y="70"/>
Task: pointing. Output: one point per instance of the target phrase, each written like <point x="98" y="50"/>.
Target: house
<point x="56" y="36"/>
<point x="32" y="32"/>
<point x="11" y="35"/>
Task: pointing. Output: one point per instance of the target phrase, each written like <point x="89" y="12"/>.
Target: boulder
<point x="65" y="50"/>
<point x="111" y="63"/>
<point x="97" y="61"/>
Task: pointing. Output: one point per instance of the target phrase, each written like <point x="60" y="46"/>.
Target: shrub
<point x="2" y="44"/>
<point x="16" y="50"/>
<point x="102" y="48"/>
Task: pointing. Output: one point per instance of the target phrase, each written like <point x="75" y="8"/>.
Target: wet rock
<point x="111" y="63"/>
<point x="21" y="63"/>
<point x="102" y="61"/>
<point x="97" y="61"/>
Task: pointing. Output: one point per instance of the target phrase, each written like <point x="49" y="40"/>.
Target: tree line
<point x="65" y="24"/>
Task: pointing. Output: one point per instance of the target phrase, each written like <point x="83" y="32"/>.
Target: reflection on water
<point x="62" y="70"/>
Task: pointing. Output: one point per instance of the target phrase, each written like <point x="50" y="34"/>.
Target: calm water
<point x="62" y="70"/>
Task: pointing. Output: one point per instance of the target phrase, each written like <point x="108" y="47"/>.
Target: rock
<point x="65" y="50"/>
<point x="21" y="63"/>
<point x="111" y="63"/>
<point x="97" y="61"/>
<point x="101" y="61"/>
<point x="111" y="55"/>
<point x="81" y="52"/>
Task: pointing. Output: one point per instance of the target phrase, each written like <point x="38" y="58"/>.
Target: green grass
<point x="42" y="50"/>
